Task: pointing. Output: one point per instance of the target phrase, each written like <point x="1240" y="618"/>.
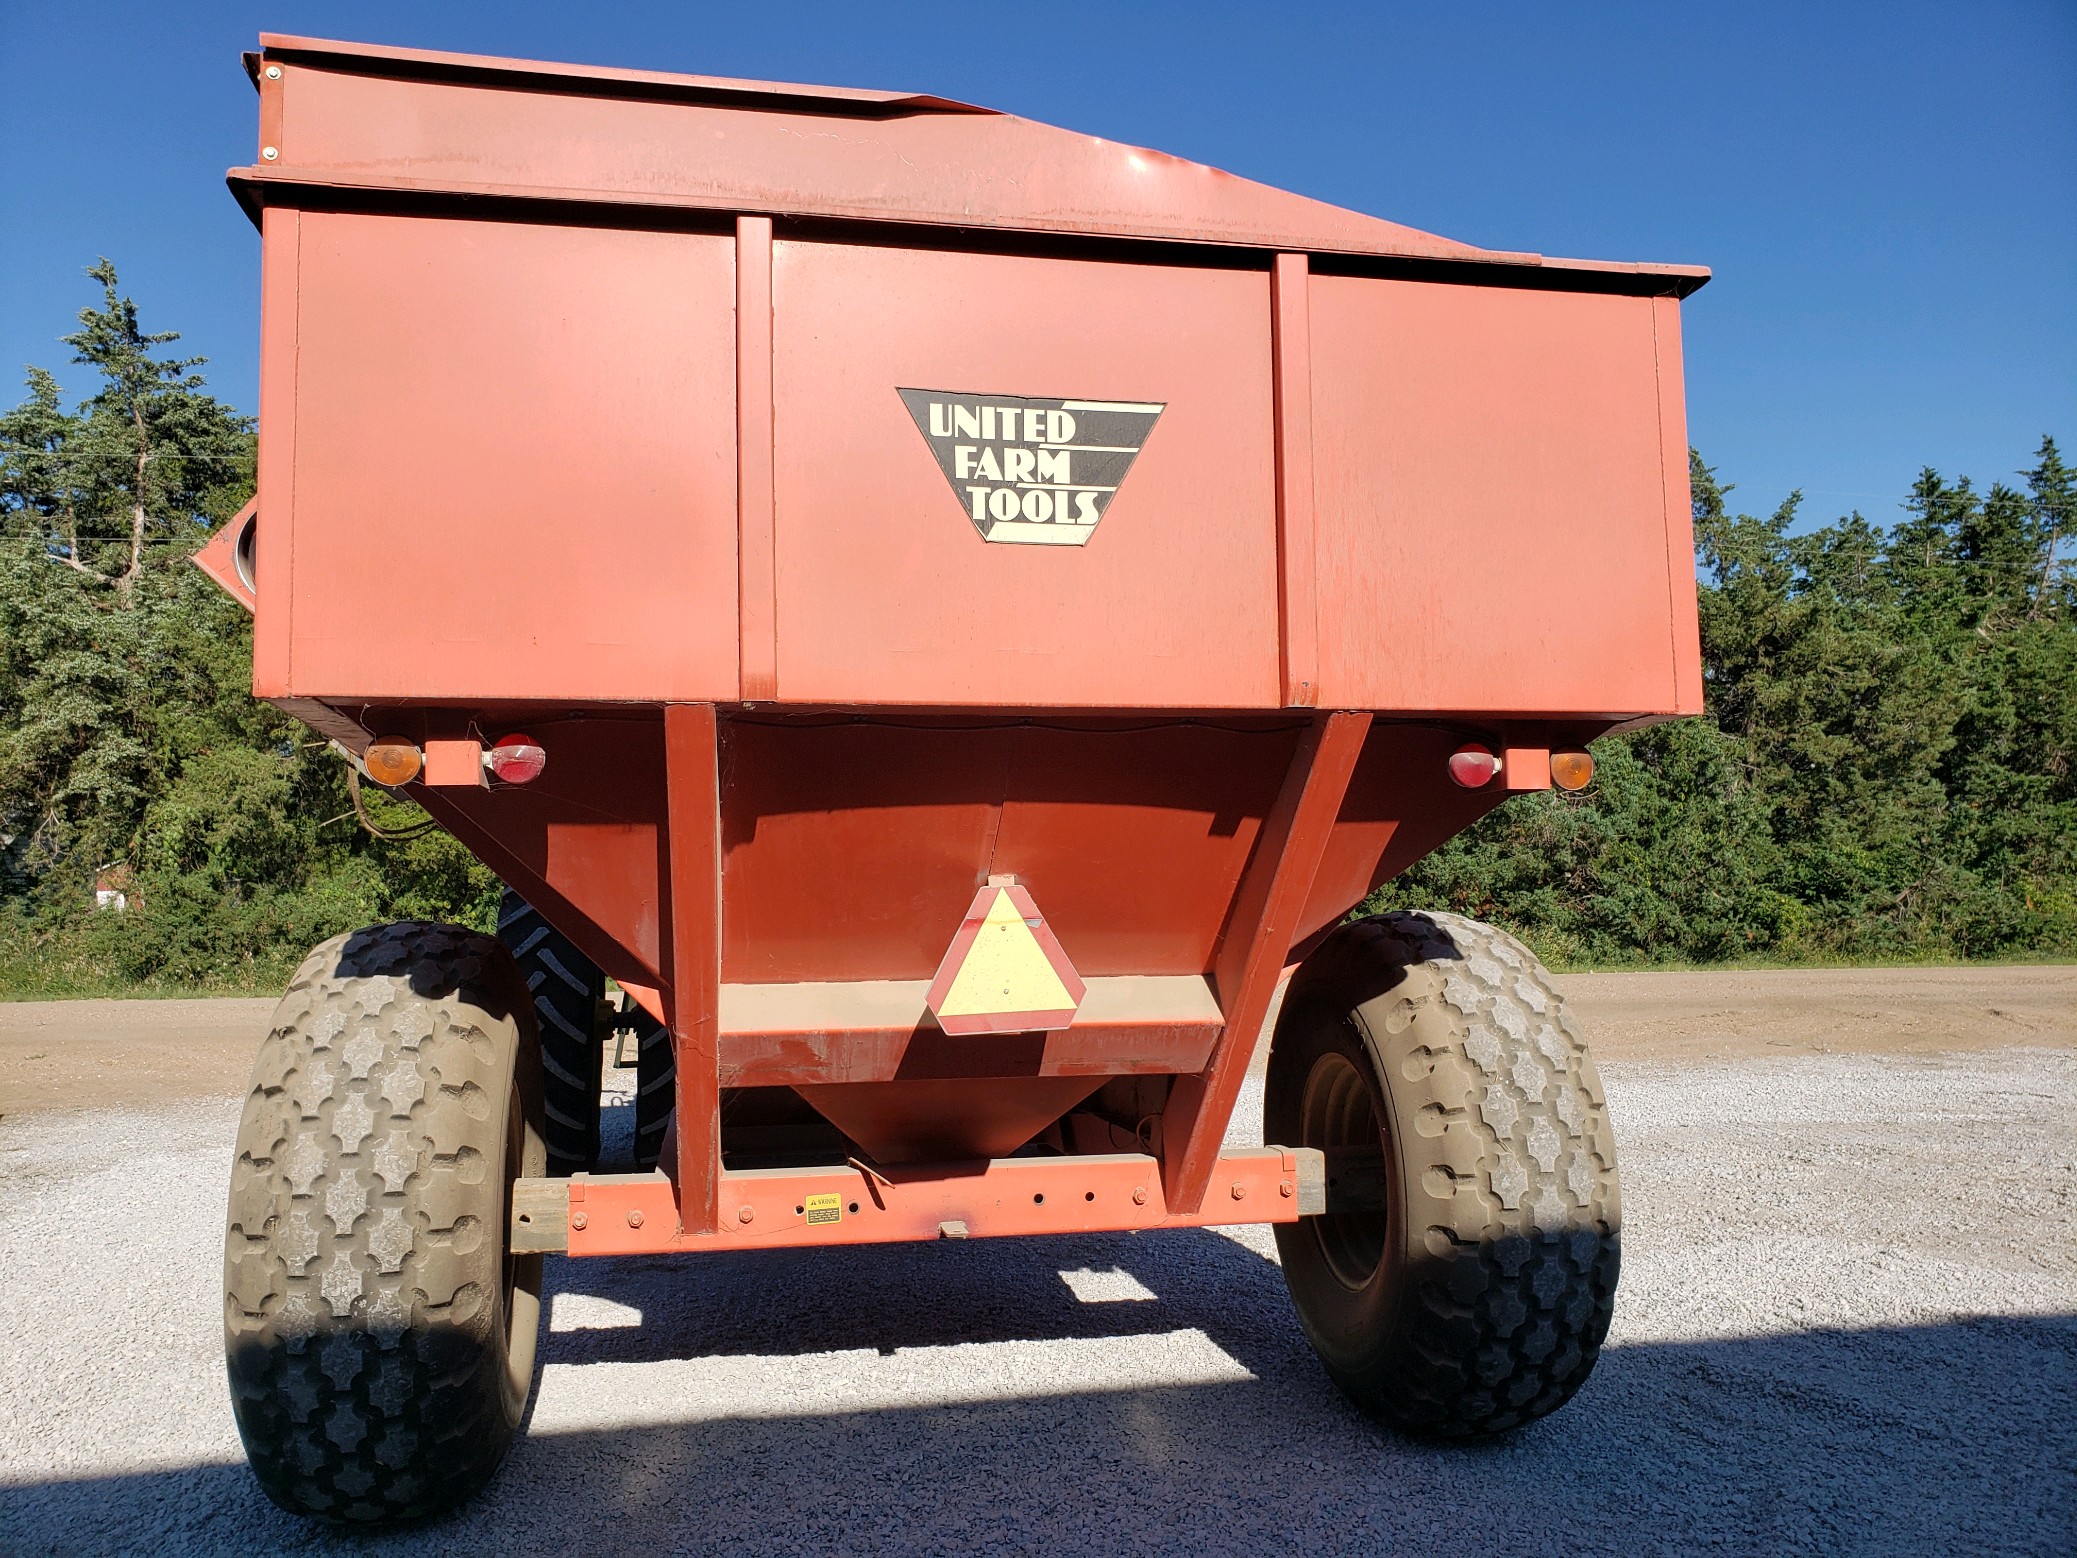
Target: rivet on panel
<point x="273" y="72"/>
<point x="1286" y="1189"/>
<point x="745" y="1214"/>
<point x="1139" y="1196"/>
<point x="1240" y="1192"/>
<point x="578" y="1220"/>
<point x="634" y="1217"/>
<point x="270" y="152"/>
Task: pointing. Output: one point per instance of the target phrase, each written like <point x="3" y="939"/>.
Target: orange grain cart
<point x="944" y="612"/>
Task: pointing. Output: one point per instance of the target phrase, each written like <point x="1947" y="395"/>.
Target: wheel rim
<point x="1337" y="1114"/>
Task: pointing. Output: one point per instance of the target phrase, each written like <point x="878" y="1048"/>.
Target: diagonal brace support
<point x="1257" y="938"/>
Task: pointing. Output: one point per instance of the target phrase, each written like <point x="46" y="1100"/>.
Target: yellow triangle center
<point x="1005" y="970"/>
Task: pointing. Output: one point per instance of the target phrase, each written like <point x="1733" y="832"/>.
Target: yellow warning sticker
<point x="824" y="1209"/>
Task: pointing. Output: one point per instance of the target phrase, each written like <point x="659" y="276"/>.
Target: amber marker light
<point x="1571" y="770"/>
<point x="1473" y="767"/>
<point x="391" y="762"/>
<point x="516" y="759"/>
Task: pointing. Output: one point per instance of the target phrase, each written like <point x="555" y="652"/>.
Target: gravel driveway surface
<point x="1848" y="1323"/>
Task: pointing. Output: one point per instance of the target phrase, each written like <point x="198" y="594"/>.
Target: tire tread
<point x="1512" y="1205"/>
<point x="363" y="1253"/>
<point x="566" y="987"/>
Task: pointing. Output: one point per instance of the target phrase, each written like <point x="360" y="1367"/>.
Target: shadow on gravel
<point x="1931" y="1439"/>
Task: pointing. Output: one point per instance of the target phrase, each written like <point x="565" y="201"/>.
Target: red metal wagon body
<point x="880" y="511"/>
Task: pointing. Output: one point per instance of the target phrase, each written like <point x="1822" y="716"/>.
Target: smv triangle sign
<point x="1005" y="971"/>
<point x="1032" y="470"/>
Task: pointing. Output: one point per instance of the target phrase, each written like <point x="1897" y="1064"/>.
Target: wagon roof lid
<point x="889" y="156"/>
<point x="597" y="79"/>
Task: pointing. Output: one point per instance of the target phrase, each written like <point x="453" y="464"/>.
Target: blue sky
<point x="1887" y="193"/>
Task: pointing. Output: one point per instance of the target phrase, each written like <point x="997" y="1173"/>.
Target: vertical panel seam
<point x="756" y="469"/>
<point x="1291" y="380"/>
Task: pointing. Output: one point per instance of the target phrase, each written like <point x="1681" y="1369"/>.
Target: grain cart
<point x="944" y="612"/>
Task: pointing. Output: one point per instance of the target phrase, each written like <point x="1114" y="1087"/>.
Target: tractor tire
<point x="378" y="1336"/>
<point x="656" y="1088"/>
<point x="1461" y="1280"/>
<point x="567" y="988"/>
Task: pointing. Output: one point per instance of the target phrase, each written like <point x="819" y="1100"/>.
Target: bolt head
<point x="270" y="152"/>
<point x="578" y="1220"/>
<point x="634" y="1217"/>
<point x="1139" y="1196"/>
<point x="745" y="1213"/>
<point x="1287" y="1190"/>
<point x="273" y="72"/>
<point x="1240" y="1192"/>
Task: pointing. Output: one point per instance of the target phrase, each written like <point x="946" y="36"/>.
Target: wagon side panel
<point x="887" y="591"/>
<point x="1491" y="509"/>
<point x="515" y="461"/>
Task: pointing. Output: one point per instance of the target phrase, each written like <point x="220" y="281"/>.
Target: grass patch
<point x="76" y="968"/>
<point x="1593" y="965"/>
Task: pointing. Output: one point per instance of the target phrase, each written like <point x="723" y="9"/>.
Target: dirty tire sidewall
<point x="379" y="1339"/>
<point x="1501" y="1222"/>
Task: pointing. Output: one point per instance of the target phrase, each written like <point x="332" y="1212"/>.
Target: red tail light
<point x="517" y="759"/>
<point x="1473" y="767"/>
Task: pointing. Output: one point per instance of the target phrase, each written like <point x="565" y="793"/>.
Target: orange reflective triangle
<point x="1005" y="971"/>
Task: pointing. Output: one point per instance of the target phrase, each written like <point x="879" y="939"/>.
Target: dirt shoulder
<point x="126" y="1054"/>
<point x="1731" y="1014"/>
<point x="1736" y="1014"/>
<point x="129" y="1054"/>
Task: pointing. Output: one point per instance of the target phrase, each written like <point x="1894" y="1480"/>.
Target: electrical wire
<point x="360" y="810"/>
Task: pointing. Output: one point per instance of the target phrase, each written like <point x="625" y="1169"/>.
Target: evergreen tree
<point x="2052" y="496"/>
<point x="129" y="738"/>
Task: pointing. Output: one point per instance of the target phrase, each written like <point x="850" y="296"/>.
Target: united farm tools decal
<point x="1037" y="471"/>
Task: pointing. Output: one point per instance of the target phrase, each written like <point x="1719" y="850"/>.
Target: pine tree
<point x="128" y="733"/>
<point x="148" y="458"/>
<point x="2052" y="495"/>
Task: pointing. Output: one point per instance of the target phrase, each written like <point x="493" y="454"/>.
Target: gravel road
<point x="1848" y="1323"/>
